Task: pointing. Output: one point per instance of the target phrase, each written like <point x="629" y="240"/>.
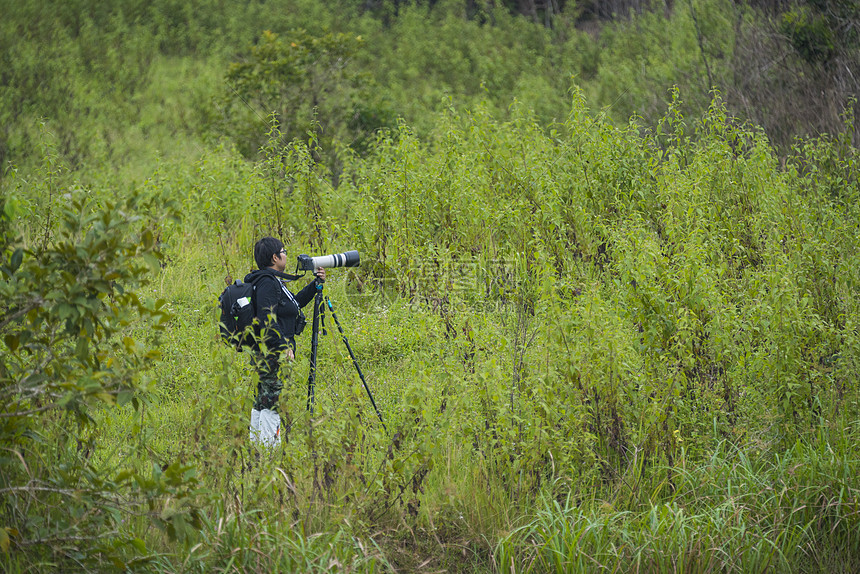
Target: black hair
<point x="265" y="249"/>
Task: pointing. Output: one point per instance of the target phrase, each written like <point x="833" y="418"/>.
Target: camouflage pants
<point x="270" y="385"/>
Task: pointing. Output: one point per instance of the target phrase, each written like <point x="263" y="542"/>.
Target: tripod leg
<point x="355" y="362"/>
<point x="315" y="336"/>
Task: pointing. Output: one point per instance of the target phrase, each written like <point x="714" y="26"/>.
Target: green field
<point x="610" y="324"/>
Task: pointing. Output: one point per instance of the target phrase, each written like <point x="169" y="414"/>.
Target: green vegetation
<point x="610" y="324"/>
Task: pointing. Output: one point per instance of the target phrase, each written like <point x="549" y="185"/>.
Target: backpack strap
<point x="287" y="276"/>
<point x="275" y="274"/>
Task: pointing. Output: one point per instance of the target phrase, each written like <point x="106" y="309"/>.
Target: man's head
<point x="267" y="251"/>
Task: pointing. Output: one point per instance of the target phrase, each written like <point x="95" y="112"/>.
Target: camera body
<point x="345" y="259"/>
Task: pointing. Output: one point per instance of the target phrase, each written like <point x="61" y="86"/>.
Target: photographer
<point x="279" y="320"/>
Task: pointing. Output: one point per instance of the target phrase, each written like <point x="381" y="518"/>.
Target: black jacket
<point x="277" y="308"/>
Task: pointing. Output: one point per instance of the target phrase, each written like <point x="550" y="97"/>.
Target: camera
<point x="345" y="259"/>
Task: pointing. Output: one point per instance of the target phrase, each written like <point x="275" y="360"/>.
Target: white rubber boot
<point x="270" y="427"/>
<point x="255" y="425"/>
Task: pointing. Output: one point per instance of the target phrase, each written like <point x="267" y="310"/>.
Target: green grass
<point x="729" y="514"/>
<point x="595" y="348"/>
<point x="741" y="506"/>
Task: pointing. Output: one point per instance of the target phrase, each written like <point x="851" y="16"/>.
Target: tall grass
<point x="794" y="511"/>
<point x="594" y="347"/>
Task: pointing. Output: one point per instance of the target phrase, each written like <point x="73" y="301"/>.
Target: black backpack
<point x="238" y="311"/>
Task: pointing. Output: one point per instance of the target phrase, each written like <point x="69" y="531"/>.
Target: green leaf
<point x="147" y="239"/>
<point x="65" y="399"/>
<point x="123" y="476"/>
<point x="152" y="261"/>
<point x="139" y="545"/>
<point x="10" y="207"/>
<point x="17" y="257"/>
<point x="11" y="342"/>
<point x="124" y="397"/>
<point x="66" y="311"/>
<point x="82" y="348"/>
<point x="4" y="539"/>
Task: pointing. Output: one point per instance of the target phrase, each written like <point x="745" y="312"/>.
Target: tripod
<point x="319" y="312"/>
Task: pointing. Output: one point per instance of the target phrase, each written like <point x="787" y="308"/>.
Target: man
<point x="279" y="320"/>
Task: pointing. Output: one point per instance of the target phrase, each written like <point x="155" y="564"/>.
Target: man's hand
<point x="320" y="272"/>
